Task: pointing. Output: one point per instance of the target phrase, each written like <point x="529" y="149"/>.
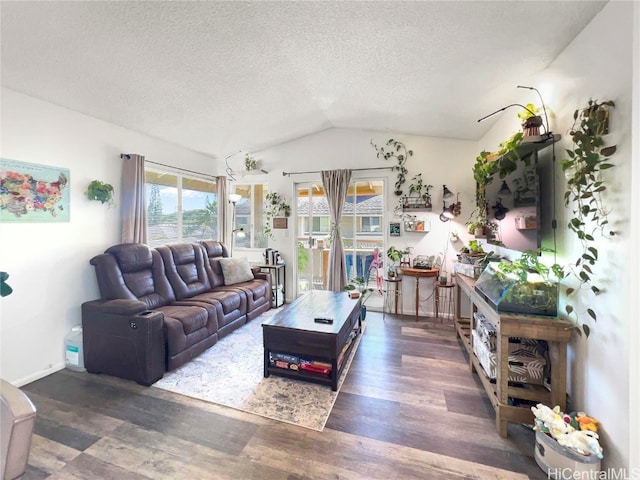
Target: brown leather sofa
<point x="160" y="307"/>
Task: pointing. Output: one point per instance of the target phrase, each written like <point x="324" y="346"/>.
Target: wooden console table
<point x="418" y="273"/>
<point x="556" y="332"/>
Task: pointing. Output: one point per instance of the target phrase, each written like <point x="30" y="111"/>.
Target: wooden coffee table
<point x="293" y="338"/>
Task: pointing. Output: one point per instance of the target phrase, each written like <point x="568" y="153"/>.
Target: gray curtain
<point x="336" y="184"/>
<point x="223" y="211"/>
<point x="133" y="207"/>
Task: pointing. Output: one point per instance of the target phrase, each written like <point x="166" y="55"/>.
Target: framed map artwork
<point x="30" y="192"/>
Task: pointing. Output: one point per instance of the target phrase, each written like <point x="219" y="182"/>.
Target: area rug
<point x="231" y="373"/>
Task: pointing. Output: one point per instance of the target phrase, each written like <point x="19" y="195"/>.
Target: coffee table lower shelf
<point x="308" y="376"/>
<point x="294" y="332"/>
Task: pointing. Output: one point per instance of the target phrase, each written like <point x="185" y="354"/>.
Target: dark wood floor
<point x="408" y="409"/>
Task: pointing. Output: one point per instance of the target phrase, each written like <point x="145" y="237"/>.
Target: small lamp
<point x="447" y="212"/>
<point x="446" y="193"/>
<point x="233" y="199"/>
<point x="504" y="189"/>
<point x="500" y="210"/>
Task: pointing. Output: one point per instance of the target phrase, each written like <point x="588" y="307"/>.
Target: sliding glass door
<point x="362" y="233"/>
<point x="312" y="235"/>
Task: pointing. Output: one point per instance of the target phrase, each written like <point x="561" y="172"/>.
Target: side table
<point x="445" y="300"/>
<point x="392" y="293"/>
<point x="419" y="273"/>
<point x="278" y="279"/>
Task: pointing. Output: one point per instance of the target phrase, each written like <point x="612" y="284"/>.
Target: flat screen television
<point x="524" y="216"/>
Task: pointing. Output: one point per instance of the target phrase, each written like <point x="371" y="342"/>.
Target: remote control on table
<point x="323" y="320"/>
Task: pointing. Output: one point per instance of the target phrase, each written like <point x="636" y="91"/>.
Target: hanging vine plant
<point x="276" y="205"/>
<point x="398" y="151"/>
<point x="100" y="191"/>
<point x="583" y="168"/>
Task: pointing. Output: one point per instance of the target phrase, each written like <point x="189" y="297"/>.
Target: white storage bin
<point x="73" y="351"/>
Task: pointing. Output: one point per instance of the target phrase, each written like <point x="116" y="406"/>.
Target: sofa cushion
<point x="235" y="270"/>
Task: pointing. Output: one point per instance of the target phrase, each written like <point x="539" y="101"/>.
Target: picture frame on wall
<point x="394" y="229"/>
<point x="33" y="193"/>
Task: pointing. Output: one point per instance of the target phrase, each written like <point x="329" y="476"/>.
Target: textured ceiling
<point x="217" y="77"/>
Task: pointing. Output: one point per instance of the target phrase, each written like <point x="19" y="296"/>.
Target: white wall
<point x="51" y="276"/>
<point x="48" y="263"/>
<point x="598" y="64"/>
<point x="441" y="161"/>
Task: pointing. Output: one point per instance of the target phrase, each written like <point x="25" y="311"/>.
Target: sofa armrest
<point x="124" y="339"/>
<point x="118" y="306"/>
<point x="259" y="275"/>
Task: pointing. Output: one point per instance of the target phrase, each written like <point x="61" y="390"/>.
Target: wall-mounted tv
<point x="524" y="213"/>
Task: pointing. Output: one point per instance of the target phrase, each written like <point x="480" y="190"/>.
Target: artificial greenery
<point x="101" y="191"/>
<point x="276" y="205"/>
<point x="398" y="151"/>
<point x="583" y="168"/>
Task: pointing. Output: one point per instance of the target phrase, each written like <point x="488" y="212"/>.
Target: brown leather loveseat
<point x="160" y="307"/>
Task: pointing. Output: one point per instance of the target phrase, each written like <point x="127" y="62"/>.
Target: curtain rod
<point x="288" y="174"/>
<point x="127" y="157"/>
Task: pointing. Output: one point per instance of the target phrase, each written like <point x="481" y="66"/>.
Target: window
<point x="321" y="225"/>
<point x="250" y="215"/>
<point x="370" y="224"/>
<point x="180" y="208"/>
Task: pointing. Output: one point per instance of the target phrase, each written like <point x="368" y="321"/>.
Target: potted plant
<point x="531" y="121"/>
<point x="419" y="196"/>
<point x="395" y="256"/>
<point x="101" y="191"/>
<point x="583" y="168"/>
<point x="359" y="284"/>
<point x="250" y="163"/>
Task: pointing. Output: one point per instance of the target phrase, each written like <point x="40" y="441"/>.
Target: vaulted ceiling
<point x="216" y="77"/>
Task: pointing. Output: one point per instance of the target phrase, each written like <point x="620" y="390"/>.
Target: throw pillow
<point x="235" y="270"/>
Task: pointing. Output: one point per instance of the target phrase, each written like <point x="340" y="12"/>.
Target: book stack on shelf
<point x="293" y="362"/>
<point x="315" y="366"/>
<point x="284" y="360"/>
<point x="272" y="257"/>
